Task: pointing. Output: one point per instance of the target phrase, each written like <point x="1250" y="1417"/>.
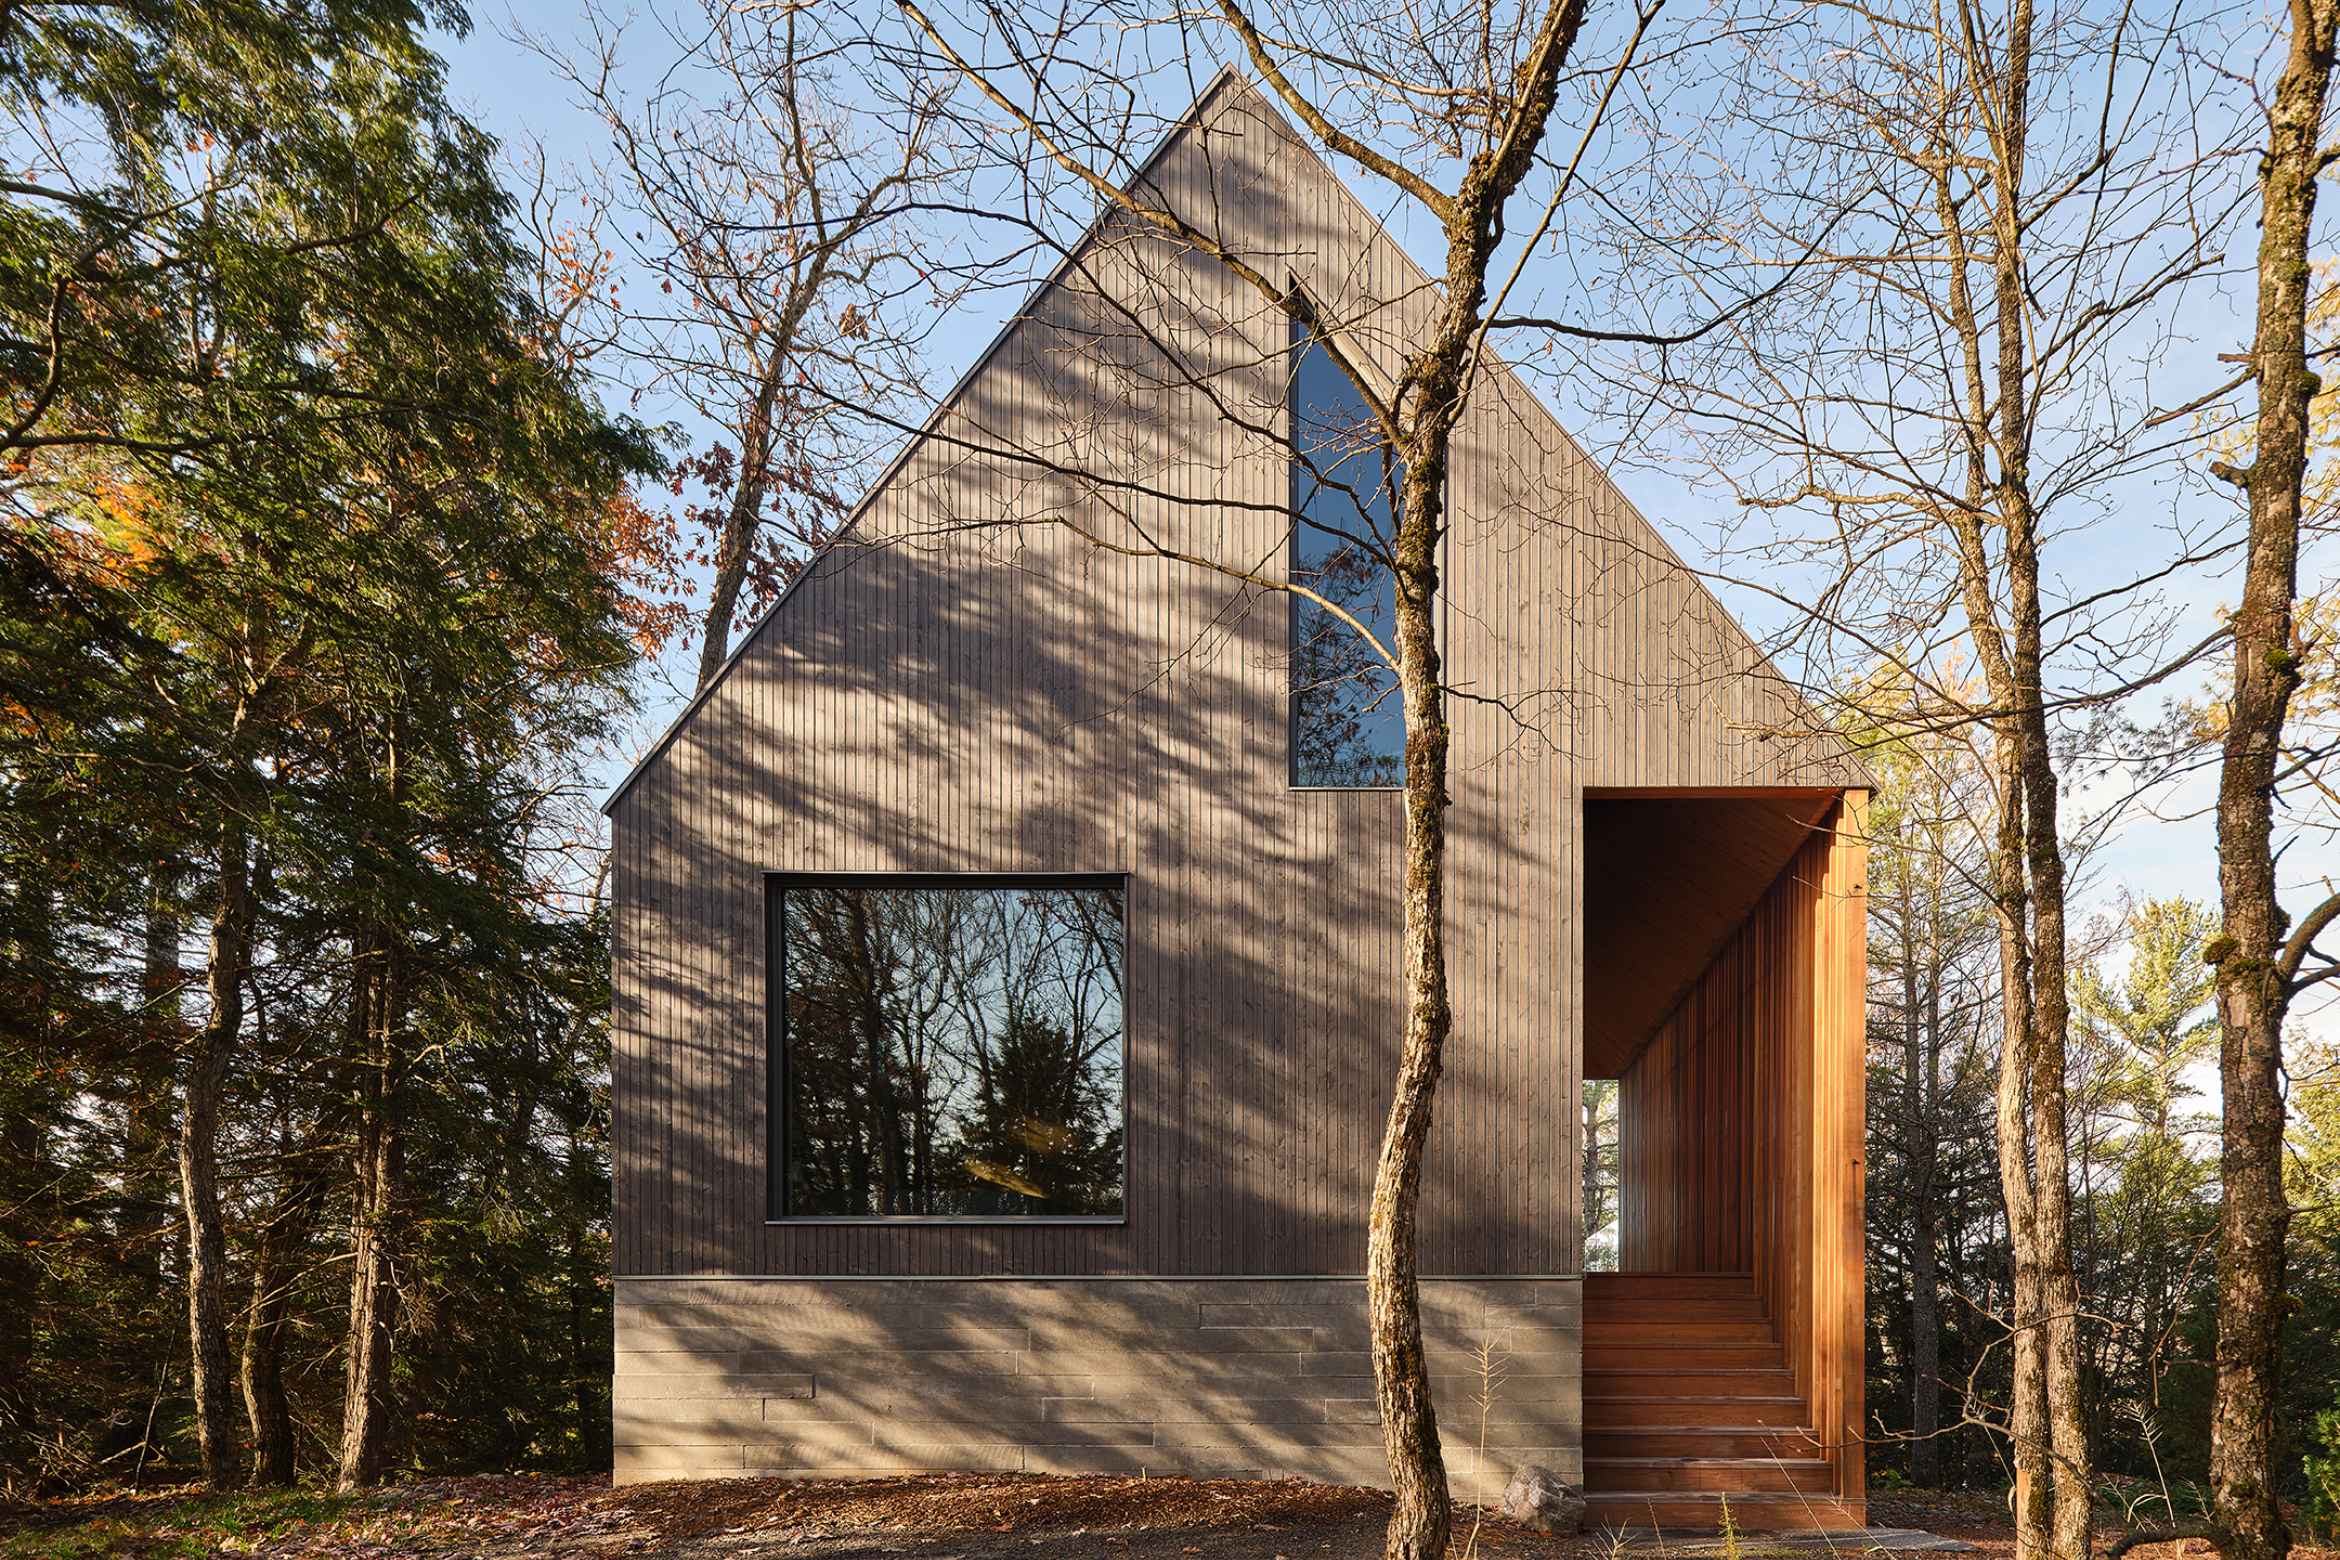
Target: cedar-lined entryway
<point x="1725" y="943"/>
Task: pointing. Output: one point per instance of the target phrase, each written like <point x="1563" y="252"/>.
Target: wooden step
<point x="1692" y="1411"/>
<point x="1683" y="1353"/>
<point x="1731" y="1475"/>
<point x="1694" y="1511"/>
<point x="1789" y="1441"/>
<point x="1616" y="1329"/>
<point x="1670" y="1286"/>
<point x="1675" y="1382"/>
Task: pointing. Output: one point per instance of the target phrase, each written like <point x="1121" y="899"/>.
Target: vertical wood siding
<point x="1741" y="1125"/>
<point x="967" y="685"/>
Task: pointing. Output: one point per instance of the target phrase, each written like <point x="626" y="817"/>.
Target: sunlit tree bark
<point x="1487" y="144"/>
<point x="210" y="1052"/>
<point x="2258" y="967"/>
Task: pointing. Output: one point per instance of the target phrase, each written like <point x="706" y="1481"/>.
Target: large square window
<point x="1348" y="717"/>
<point x="948" y="1047"/>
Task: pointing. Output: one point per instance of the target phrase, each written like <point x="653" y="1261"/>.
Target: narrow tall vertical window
<point x="1603" y="1195"/>
<point x="948" y="1047"/>
<point x="1348" y="719"/>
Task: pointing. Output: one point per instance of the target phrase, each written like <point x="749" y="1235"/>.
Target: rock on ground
<point x="1539" y="1498"/>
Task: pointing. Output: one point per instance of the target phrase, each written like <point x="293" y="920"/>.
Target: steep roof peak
<point x="1226" y="89"/>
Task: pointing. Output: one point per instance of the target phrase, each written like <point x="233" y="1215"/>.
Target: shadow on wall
<point x="1198" y="1378"/>
<point x="908" y="712"/>
<point x="971" y="687"/>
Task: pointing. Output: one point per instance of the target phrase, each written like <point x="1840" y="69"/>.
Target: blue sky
<point x="510" y="91"/>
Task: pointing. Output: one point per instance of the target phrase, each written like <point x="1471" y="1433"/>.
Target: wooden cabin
<point x="1007" y="972"/>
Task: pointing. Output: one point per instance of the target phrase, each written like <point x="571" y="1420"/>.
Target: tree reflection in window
<point x="1348" y="723"/>
<point x="951" y="1049"/>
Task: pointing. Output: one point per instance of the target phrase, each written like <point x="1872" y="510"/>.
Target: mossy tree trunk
<point x="2256" y="966"/>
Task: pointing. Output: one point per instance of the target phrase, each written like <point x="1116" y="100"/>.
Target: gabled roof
<point x="1205" y="108"/>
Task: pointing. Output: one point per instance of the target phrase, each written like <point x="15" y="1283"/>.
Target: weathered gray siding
<point x="1213" y="1378"/>
<point x="942" y="693"/>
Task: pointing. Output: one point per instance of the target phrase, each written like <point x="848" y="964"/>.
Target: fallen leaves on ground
<point x="925" y="1516"/>
<point x="946" y="1517"/>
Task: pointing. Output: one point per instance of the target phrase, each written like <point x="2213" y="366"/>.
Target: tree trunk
<point x="2059" y="1288"/>
<point x="735" y="544"/>
<point x="2027" y="1402"/>
<point x="28" y="1103"/>
<point x="2027" y="1408"/>
<point x="1920" y="1026"/>
<point x="2045" y="1414"/>
<point x="2254" y="967"/>
<point x="209" y="1053"/>
<point x="2043" y="849"/>
<point x="877" y="1043"/>
<point x="148" y="1218"/>
<point x="373" y="1288"/>
<point x="266" y="1409"/>
<point x="1434" y="388"/>
<point x="373" y="1309"/>
<point x="24" y="1222"/>
<point x="592" y="1415"/>
<point x="1423" y="1518"/>
<point x="274" y="1267"/>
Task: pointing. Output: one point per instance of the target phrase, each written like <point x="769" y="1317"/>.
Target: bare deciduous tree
<point x="753" y="257"/>
<point x="2014" y="206"/>
<point x="1450" y="108"/>
<point x="2258" y="955"/>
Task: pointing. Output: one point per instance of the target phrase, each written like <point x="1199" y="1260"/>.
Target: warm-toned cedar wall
<point x="947" y="693"/>
<point x="1685" y="1125"/>
<point x="1740" y="1124"/>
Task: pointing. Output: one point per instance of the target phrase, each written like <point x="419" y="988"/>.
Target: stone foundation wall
<point x="1204" y="1377"/>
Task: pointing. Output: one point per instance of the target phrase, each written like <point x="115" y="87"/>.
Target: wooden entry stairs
<point x="1688" y="1400"/>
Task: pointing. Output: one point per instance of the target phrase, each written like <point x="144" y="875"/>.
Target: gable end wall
<point x="939" y="698"/>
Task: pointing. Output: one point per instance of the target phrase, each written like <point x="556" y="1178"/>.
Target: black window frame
<point x="776" y="884"/>
<point x="1305" y="332"/>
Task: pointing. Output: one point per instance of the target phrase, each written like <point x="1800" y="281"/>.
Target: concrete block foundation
<point x="1209" y="1378"/>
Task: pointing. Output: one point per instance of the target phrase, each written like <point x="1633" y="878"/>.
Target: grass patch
<point x="168" y="1523"/>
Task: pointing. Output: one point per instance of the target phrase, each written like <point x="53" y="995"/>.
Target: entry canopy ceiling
<point x="1668" y="876"/>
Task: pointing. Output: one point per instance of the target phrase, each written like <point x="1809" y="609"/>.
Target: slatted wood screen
<point x="1740" y="1124"/>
